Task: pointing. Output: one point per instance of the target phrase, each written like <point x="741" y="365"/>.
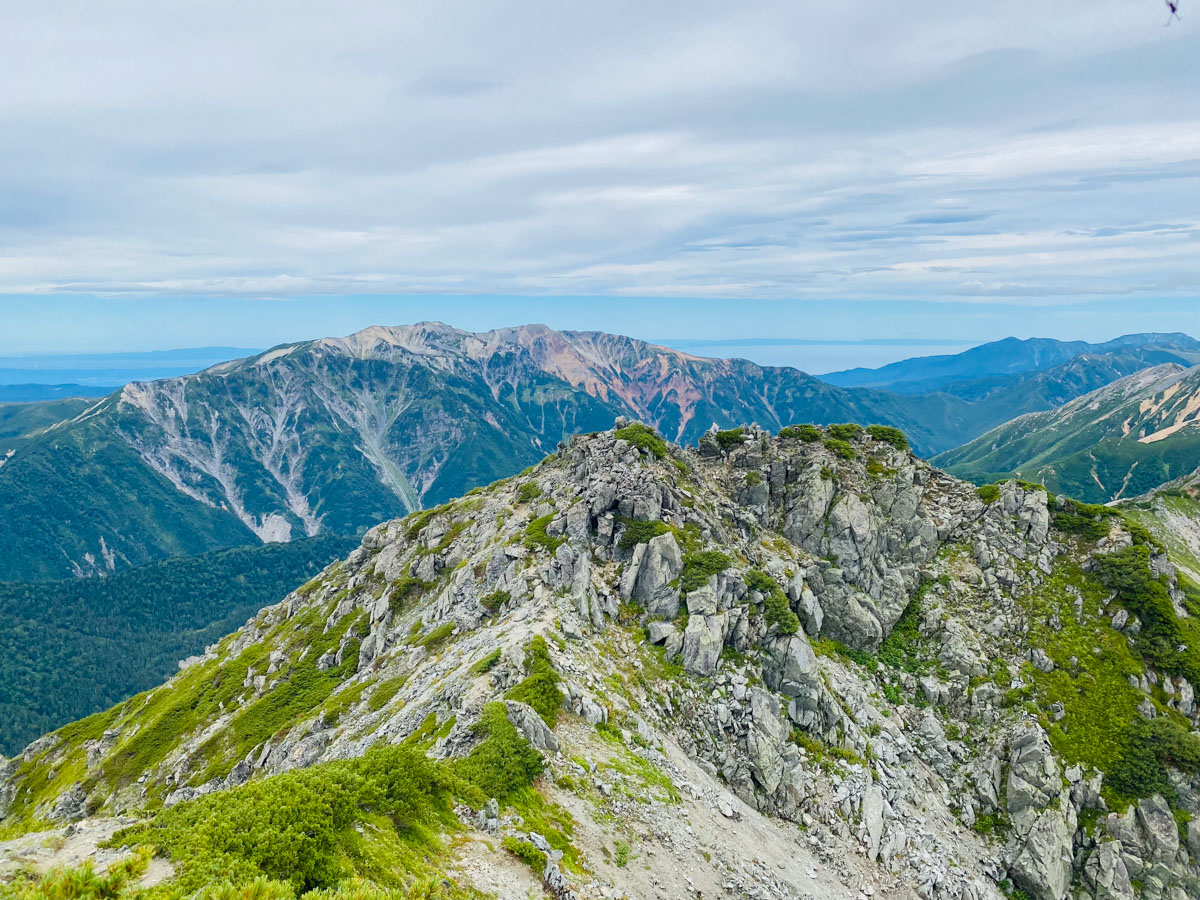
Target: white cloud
<point x="858" y="150"/>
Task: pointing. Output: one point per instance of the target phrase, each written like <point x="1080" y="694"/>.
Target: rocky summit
<point x="807" y="665"/>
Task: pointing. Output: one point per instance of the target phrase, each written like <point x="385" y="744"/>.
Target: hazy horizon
<point x="701" y="172"/>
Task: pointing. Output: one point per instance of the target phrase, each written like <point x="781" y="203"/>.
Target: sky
<point x="772" y="176"/>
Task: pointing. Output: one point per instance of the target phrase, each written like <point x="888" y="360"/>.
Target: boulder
<point x="806" y="605"/>
<point x="765" y="740"/>
<point x="791" y="668"/>
<point x="1042" y="867"/>
<point x="702" y="601"/>
<point x="1033" y="775"/>
<point x="1106" y="874"/>
<point x="658" y="632"/>
<point x="532" y="727"/>
<point x="660" y="566"/>
<point x="1158" y="827"/>
<point x="872" y="817"/>
<point x="702" y="642"/>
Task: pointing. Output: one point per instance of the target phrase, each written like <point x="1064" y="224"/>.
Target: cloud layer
<point x="940" y="151"/>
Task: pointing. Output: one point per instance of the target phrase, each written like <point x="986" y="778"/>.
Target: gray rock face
<point x="1106" y="874"/>
<point x="1042" y="868"/>
<point x="702" y="642"/>
<point x="872" y="816"/>
<point x="1042" y="816"/>
<point x="1158" y="826"/>
<point x="848" y="615"/>
<point x="7" y="789"/>
<point x="531" y="726"/>
<point x="806" y="606"/>
<point x="879" y="532"/>
<point x="660" y="565"/>
<point x="765" y="739"/>
<point x="1034" y="778"/>
<point x="658" y="632"/>
<point x="792" y="667"/>
<point x="71" y="806"/>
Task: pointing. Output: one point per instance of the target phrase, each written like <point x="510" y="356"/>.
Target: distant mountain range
<point x="1116" y="442"/>
<point x="98" y="374"/>
<point x="337" y="434"/>
<point x="987" y="366"/>
<point x="35" y="393"/>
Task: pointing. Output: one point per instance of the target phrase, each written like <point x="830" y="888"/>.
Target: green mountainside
<point x="769" y="666"/>
<point x="1116" y="442"/>
<point x="335" y="435"/>
<point x="69" y="648"/>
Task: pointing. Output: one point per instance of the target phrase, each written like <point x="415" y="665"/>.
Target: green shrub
<point x="118" y="882"/>
<point x="404" y="590"/>
<point x="779" y="613"/>
<point x="900" y="648"/>
<point x="734" y="437"/>
<point x="698" y="567"/>
<point x="847" y="432"/>
<point x="776" y="609"/>
<point x="540" y="687"/>
<point x="1088" y="520"/>
<point x="495" y="600"/>
<point x="808" y="433"/>
<point x="638" y="532"/>
<point x="1164" y="642"/>
<point x="840" y="448"/>
<point x="888" y="435"/>
<point x="830" y="647"/>
<point x="528" y="492"/>
<point x="298" y="826"/>
<point x="988" y="493"/>
<point x="535" y="535"/>
<point x="753" y="478"/>
<point x="1153" y="745"/>
<point x="503" y="762"/>
<point x="486" y="664"/>
<point x="438" y="635"/>
<point x="643" y="437"/>
<point x="384" y="692"/>
<point x="526" y="853"/>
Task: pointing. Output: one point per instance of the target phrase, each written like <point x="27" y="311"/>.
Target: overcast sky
<point x="181" y="173"/>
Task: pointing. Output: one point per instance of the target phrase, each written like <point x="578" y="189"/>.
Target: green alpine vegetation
<point x="1114" y="443"/>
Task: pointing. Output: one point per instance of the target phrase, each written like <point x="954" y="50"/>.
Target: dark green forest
<point x="70" y="648"/>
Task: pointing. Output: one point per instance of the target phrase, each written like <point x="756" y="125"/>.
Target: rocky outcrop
<point x="839" y="639"/>
<point x="655" y="568"/>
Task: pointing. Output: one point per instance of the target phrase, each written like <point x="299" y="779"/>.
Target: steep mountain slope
<point x="1009" y="357"/>
<point x="630" y="666"/>
<point x="1118" y="441"/>
<point x="22" y="422"/>
<point x="298" y="440"/>
<point x="1171" y="513"/>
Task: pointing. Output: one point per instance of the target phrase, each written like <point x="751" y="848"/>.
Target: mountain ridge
<point x="1116" y="442"/>
<point x="1005" y="357"/>
<point x="296" y="440"/>
<point x="678" y="653"/>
